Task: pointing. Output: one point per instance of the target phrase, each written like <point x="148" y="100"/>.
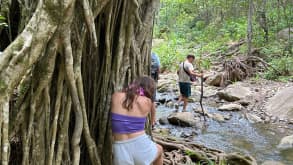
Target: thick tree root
<point x="58" y="75"/>
<point x="179" y="151"/>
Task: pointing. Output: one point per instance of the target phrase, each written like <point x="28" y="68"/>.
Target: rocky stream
<point x="253" y="117"/>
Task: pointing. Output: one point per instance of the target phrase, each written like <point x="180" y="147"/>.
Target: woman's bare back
<point x="141" y="108"/>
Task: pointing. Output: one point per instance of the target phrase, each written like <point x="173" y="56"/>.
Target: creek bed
<point x="234" y="135"/>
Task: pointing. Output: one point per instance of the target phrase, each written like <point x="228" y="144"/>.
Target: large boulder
<point x="272" y="163"/>
<point x="286" y="143"/>
<point x="214" y="79"/>
<point x="281" y="105"/>
<point x="234" y="92"/>
<point x="284" y="34"/>
<point x="183" y="119"/>
<point x="230" y="107"/>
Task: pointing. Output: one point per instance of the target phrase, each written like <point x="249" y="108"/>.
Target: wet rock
<point x="252" y="118"/>
<point x="170" y="104"/>
<point x="209" y="92"/>
<point x="286" y="143"/>
<point x="218" y="117"/>
<point x="214" y="79"/>
<point x="267" y="119"/>
<point x="183" y="119"/>
<point x="163" y="85"/>
<point x="199" y="110"/>
<point x="227" y="117"/>
<point x="163" y="121"/>
<point x="164" y="131"/>
<point x="162" y="89"/>
<point x="193" y="99"/>
<point x="162" y="100"/>
<point x="281" y="105"/>
<point x="230" y="107"/>
<point x="186" y="134"/>
<point x="272" y="163"/>
<point x="234" y="92"/>
<point x="274" y="119"/>
<point x="244" y="102"/>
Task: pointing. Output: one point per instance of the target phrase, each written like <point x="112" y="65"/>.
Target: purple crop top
<point x="124" y="124"/>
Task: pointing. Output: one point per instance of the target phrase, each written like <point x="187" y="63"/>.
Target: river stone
<point x="227" y="117"/>
<point x="215" y="79"/>
<point x="272" y="163"/>
<point x="162" y="100"/>
<point x="218" y="117"/>
<point x="230" y="107"/>
<point x="286" y="143"/>
<point x="252" y="118"/>
<point x="163" y="121"/>
<point x="209" y="92"/>
<point x="234" y="92"/>
<point x="165" y="131"/>
<point x="281" y="105"/>
<point x="244" y="102"/>
<point x="162" y="89"/>
<point x="170" y="104"/>
<point x="183" y="119"/>
<point x="198" y="110"/>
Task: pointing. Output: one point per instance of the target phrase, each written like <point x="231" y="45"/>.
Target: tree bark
<point x="62" y="68"/>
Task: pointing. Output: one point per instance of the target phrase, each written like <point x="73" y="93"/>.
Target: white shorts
<point x="140" y="150"/>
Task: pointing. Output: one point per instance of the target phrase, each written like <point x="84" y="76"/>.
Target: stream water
<point x="234" y="135"/>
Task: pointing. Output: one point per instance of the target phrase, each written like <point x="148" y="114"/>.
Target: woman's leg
<point x="159" y="159"/>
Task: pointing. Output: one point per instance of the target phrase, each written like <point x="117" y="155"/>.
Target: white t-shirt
<point x="183" y="76"/>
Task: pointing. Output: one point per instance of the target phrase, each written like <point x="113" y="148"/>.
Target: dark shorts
<point x="185" y="89"/>
<point x="155" y="76"/>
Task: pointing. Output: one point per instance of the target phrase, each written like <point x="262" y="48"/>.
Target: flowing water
<point x="235" y="135"/>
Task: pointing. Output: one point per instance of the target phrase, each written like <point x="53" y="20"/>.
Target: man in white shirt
<point x="185" y="71"/>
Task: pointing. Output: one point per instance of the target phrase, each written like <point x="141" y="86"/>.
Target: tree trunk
<point x="249" y="27"/>
<point x="262" y="20"/>
<point x="58" y="74"/>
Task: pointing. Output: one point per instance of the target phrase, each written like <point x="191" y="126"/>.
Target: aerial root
<point x="178" y="151"/>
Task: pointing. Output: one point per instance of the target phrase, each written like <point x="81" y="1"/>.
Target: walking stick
<point x="201" y="96"/>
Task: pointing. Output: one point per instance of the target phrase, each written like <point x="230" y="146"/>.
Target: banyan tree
<point x="61" y="61"/>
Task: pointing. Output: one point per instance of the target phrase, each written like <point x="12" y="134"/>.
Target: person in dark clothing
<point x="155" y="67"/>
<point x="155" y="70"/>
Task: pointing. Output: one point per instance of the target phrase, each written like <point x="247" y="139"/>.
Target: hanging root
<point x="241" y="67"/>
<point x="89" y="19"/>
<point x="237" y="69"/>
<point x="55" y="88"/>
<point x="178" y="151"/>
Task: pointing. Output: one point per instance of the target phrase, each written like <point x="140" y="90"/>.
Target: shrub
<point x="284" y="67"/>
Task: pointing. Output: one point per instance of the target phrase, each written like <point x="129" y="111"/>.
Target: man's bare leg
<point x="178" y="102"/>
<point x="185" y="100"/>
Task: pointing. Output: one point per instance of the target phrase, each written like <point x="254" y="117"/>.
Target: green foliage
<point x="284" y="67"/>
<point x="205" y="27"/>
<point x="169" y="55"/>
<point x="3" y="21"/>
